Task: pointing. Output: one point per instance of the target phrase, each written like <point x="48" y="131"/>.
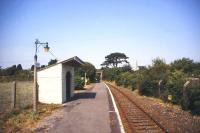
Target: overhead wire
<point x="52" y="54"/>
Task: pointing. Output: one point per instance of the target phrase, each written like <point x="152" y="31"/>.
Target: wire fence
<point x="23" y="95"/>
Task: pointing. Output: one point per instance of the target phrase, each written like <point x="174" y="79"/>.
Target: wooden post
<point x="13" y="100"/>
<point x="184" y="89"/>
<point x="159" y="84"/>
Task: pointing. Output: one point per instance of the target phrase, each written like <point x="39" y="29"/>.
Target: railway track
<point x="136" y="119"/>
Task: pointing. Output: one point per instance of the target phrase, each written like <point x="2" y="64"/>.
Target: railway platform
<point x="90" y="111"/>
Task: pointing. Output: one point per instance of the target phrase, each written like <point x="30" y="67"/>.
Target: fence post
<point x="159" y="84"/>
<point x="13" y="98"/>
<point x="184" y="89"/>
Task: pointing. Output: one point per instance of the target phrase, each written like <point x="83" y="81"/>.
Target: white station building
<point x="56" y="82"/>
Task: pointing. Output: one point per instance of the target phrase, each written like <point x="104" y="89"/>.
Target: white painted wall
<point x="50" y="84"/>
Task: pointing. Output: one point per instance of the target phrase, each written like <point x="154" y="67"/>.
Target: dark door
<point x="68" y="86"/>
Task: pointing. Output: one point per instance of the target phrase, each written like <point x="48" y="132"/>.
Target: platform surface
<point x="89" y="111"/>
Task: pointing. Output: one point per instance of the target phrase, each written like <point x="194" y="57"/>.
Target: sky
<point x="92" y="29"/>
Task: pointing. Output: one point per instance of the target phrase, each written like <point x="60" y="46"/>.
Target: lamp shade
<point x="46" y="48"/>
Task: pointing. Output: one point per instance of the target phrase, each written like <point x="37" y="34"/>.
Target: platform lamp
<point x="35" y="88"/>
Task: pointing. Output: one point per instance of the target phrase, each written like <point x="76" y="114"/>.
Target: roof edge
<point x="64" y="61"/>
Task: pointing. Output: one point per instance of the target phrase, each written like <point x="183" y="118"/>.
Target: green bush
<point x="119" y="81"/>
<point x="133" y="84"/>
<point x="174" y="89"/>
<point x="87" y="68"/>
<point x="148" y="87"/>
<point x="174" y="86"/>
<point x="88" y="82"/>
<point x="173" y="77"/>
<point x="79" y="83"/>
<point x="127" y="77"/>
<point x="164" y="94"/>
<point x="111" y="74"/>
<point x="192" y="99"/>
<point x="127" y="80"/>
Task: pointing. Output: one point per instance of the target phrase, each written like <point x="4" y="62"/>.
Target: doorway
<point x="68" y="86"/>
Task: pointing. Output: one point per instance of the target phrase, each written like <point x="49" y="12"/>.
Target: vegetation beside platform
<point x="172" y="78"/>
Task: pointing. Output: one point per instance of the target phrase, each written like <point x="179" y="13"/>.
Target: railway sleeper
<point x="143" y="124"/>
<point x="139" y="118"/>
<point x="136" y="110"/>
<point x="147" y="128"/>
<point x="136" y="118"/>
<point x="125" y="106"/>
<point x="133" y="120"/>
<point x="146" y="124"/>
<point x="134" y="114"/>
<point x="149" y="131"/>
<point x="139" y="121"/>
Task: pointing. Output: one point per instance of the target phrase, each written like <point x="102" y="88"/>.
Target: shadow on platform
<point x="84" y="95"/>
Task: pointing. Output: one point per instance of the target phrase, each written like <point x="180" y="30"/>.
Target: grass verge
<point x="24" y="120"/>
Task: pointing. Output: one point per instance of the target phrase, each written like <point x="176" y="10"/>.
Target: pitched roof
<point x="74" y="61"/>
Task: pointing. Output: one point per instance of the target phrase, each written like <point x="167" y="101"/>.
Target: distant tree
<point x="11" y="70"/>
<point x="19" y="67"/>
<point x="51" y="62"/>
<point x="159" y="69"/>
<point x="114" y="59"/>
<point x="105" y="64"/>
<point x="184" y="64"/>
<point x="42" y="66"/>
<point x="187" y="65"/>
<point x="1" y="71"/>
<point x="111" y="74"/>
<point x="126" y="68"/>
<point x="196" y="69"/>
<point x="142" y="67"/>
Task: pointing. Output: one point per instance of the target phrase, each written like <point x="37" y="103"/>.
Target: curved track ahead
<point x="137" y="120"/>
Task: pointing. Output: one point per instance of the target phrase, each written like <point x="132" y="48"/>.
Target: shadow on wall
<point x="84" y="95"/>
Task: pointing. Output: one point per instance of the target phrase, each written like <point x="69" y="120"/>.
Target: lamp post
<point x="35" y="88"/>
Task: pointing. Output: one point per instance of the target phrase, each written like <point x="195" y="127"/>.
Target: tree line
<point x="16" y="72"/>
<point x="171" y="77"/>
